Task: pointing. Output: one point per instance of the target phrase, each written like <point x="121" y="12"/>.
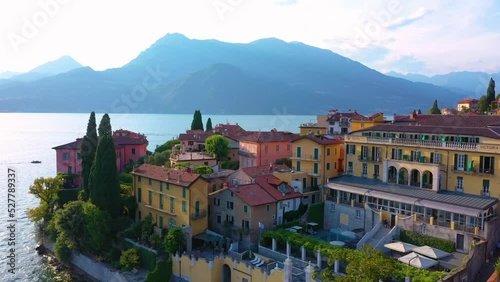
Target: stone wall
<point x="347" y="217"/>
<point x="470" y="266"/>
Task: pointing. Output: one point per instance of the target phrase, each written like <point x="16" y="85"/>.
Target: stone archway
<point x="403" y="176"/>
<point x="427" y="179"/>
<point x="392" y="176"/>
<point x="226" y="273"/>
<point x="415" y="178"/>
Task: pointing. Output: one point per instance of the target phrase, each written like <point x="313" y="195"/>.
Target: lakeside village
<point x="349" y="198"/>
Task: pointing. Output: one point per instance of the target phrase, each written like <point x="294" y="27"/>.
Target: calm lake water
<point x="30" y="136"/>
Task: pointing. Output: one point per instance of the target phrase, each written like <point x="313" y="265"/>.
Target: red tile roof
<point x="269" y="136"/>
<point x="200" y="137"/>
<point x="321" y="140"/>
<point x="467" y="101"/>
<point x="252" y="194"/>
<point x="375" y="115"/>
<point x="263" y="170"/>
<point x="270" y="183"/>
<point x="75" y="145"/>
<point x="335" y="116"/>
<point x="129" y="138"/>
<point x="162" y="173"/>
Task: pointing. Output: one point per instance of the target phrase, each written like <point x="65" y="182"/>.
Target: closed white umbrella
<point x="431" y="252"/>
<point x="417" y="260"/>
<point x="401" y="247"/>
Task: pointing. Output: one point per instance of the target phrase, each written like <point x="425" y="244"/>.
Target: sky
<point x="427" y="37"/>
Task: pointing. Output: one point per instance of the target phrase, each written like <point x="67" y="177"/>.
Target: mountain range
<point x="61" y="65"/>
<point x="267" y="76"/>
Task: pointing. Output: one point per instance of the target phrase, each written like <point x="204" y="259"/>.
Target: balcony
<point x="199" y="215"/>
<point x="314" y="173"/>
<point x="368" y="159"/>
<point x="304" y="157"/>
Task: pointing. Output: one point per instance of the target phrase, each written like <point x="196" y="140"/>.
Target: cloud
<point x="285" y="2"/>
<point x="404" y="21"/>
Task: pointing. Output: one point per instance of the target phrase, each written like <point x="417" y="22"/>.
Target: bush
<point x="421" y="240"/>
<point x="285" y="161"/>
<point x="234" y="165"/>
<point x="202" y="169"/>
<point x="67" y="195"/>
<point x="126" y="178"/>
<point x="129" y="259"/>
<point x="134" y="231"/>
<point x="61" y="250"/>
<point x="162" y="272"/>
<point x="147" y="258"/>
<point x="316" y="214"/>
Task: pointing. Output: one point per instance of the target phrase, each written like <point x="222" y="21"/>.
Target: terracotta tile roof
<point x="253" y="195"/>
<point x="375" y="115"/>
<point x="263" y="170"/>
<point x="75" y="145"/>
<point x="467" y="101"/>
<point x="124" y="140"/>
<point x="270" y="183"/>
<point x="320" y="140"/>
<point x="335" y="116"/>
<point x="161" y="174"/>
<point x="269" y="136"/>
<point x="200" y="137"/>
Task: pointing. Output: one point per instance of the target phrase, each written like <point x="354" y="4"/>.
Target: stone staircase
<point x="381" y="233"/>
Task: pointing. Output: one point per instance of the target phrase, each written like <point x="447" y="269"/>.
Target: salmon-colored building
<point x="264" y="148"/>
<point x="128" y="146"/>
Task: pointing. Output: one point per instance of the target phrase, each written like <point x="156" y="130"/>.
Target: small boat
<point x="36" y="162"/>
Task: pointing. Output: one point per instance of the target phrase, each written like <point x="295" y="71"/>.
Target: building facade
<point x="264" y="148"/>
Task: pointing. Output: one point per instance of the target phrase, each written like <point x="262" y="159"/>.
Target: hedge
<point x="296" y="239"/>
<point x="316" y="214"/>
<point x="162" y="272"/>
<point x="422" y="240"/>
<point x="147" y="258"/>
<point x="67" y="195"/>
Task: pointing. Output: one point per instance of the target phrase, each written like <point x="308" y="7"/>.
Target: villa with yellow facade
<point x="434" y="174"/>
<point x="172" y="197"/>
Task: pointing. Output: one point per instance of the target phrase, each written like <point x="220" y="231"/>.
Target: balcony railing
<point x="199" y="215"/>
<point x="369" y="159"/>
<point x="486" y="171"/>
<point x="306" y="157"/>
<point x="314" y="173"/>
<point x="421" y="143"/>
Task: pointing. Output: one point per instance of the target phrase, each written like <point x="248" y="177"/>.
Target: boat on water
<point x="36" y="162"/>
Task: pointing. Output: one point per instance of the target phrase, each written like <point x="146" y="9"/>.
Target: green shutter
<point x="455" y="162"/>
<point x="139" y="195"/>
<point x="481" y="166"/>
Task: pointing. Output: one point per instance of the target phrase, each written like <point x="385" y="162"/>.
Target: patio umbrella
<point x="337" y="243"/>
<point x="417" y="260"/>
<point x="348" y="233"/>
<point x="401" y="247"/>
<point x="431" y="252"/>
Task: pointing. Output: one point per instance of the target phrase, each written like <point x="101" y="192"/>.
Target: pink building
<point x="264" y="148"/>
<point x="129" y="146"/>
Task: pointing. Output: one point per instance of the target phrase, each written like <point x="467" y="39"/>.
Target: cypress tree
<point x="490" y="93"/>
<point x="197" y="122"/>
<point x="87" y="151"/>
<point x="104" y="184"/>
<point x="209" y="124"/>
<point x="434" y="110"/>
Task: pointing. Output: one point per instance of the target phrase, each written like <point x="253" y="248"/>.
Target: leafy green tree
<point x="483" y="104"/>
<point x="209" y="124"/>
<point x="369" y="264"/>
<point x="218" y="145"/>
<point x="419" y="112"/>
<point x="490" y="93"/>
<point x="197" y="122"/>
<point x="97" y="229"/>
<point x="62" y="250"/>
<point x="87" y="151"/>
<point x="167" y="145"/>
<point x="285" y="161"/>
<point x="129" y="259"/>
<point x="128" y="200"/>
<point x="159" y="158"/>
<point x="202" y="169"/>
<point x="147" y="227"/>
<point x="174" y="241"/>
<point x="434" y="110"/>
<point x="45" y="189"/>
<point x="104" y="184"/>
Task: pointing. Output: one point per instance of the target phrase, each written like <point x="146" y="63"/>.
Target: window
<point x="245" y="224"/>
<point x="161" y="222"/>
<point x="435" y="158"/>
<point x="139" y="195"/>
<point x="349" y="168"/>
<point x="78" y="156"/>
<point x="415" y="156"/>
<point x="365" y="170"/>
<point x="460" y="184"/>
<point x="216" y="202"/>
<point x="70" y="169"/>
<point x="214" y="188"/>
<point x="161" y="186"/>
<point x="327" y="166"/>
<point x="219" y="219"/>
<point x="161" y="201"/>
<point x="244" y="280"/>
<point x="277" y="148"/>
<point x="245" y="208"/>
<point x="327" y="151"/>
<point x="184" y="192"/>
<point x="299" y="152"/>
<point x="315" y="168"/>
<point x="150" y="198"/>
<point x="65" y="156"/>
<point x="197" y="208"/>
<point x="396" y="154"/>
<point x="268" y="207"/>
<point x="150" y="181"/>
<point x="376" y="171"/>
<point x="486" y="187"/>
<point x="229" y="205"/>
<point x="138" y="179"/>
<point x="172" y="205"/>
<point x="364" y="153"/>
<point x="298" y="166"/>
<point x="184" y="208"/>
<point x="460" y="162"/>
<point x="358" y="213"/>
<point x="229" y="219"/>
<point x="316" y="154"/>
<point x="133" y="151"/>
<point x="486" y="164"/>
<point x="351" y="149"/>
<point x="335" y="165"/>
<point x="376" y="153"/>
<point x="168" y="186"/>
<point x="266" y="149"/>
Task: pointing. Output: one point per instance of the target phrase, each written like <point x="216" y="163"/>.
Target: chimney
<point x="179" y="178"/>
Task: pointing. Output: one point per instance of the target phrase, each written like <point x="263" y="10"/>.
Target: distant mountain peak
<point x="61" y="65"/>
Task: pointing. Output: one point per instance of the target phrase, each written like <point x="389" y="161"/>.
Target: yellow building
<point x="317" y="127"/>
<point x="172" y="197"/>
<point x="360" y="124"/>
<point x="436" y="170"/>
<point x="314" y="161"/>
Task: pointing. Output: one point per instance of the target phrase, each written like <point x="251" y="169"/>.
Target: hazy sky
<point x="428" y="37"/>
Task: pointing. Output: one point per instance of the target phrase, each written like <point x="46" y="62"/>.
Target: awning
<point x="431" y="252"/>
<point x="337" y="243"/>
<point x="401" y="247"/>
<point x="417" y="261"/>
